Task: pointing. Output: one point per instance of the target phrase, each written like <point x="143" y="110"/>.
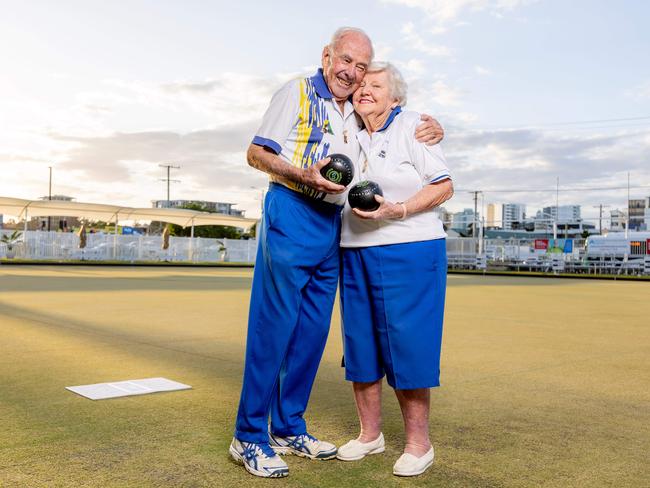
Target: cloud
<point x="228" y="98"/>
<point x="425" y="95"/>
<point x="110" y="140"/>
<point x="104" y="158"/>
<point x="639" y="92"/>
<point x="412" y="68"/>
<point x="480" y="70"/>
<point x="383" y="51"/>
<point x="448" y="12"/>
<point x="413" y="39"/>
<point x="533" y="159"/>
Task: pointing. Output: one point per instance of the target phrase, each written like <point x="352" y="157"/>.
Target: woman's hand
<point x="386" y="210"/>
<point x="431" y="196"/>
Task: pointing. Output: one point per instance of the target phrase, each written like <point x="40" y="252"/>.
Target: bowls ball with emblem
<point x="339" y="170"/>
<point x="362" y="195"/>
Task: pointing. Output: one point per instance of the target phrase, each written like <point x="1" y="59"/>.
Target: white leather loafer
<point x="355" y="450"/>
<point x="409" y="465"/>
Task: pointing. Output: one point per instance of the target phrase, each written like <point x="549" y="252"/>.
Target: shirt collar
<point x="321" y="86"/>
<point x="392" y="115"/>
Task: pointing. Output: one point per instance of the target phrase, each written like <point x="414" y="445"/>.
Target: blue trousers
<point x="392" y="304"/>
<point x="294" y="285"/>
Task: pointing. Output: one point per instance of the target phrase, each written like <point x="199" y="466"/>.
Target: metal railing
<point x="462" y="253"/>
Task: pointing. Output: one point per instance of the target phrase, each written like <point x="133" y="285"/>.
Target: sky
<point x="534" y="95"/>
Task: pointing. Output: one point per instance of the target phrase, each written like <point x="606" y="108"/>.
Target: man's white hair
<point x="342" y="31"/>
<point x="398" y="87"/>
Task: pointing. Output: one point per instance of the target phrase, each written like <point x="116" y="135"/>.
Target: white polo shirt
<point x="401" y="166"/>
<point x="304" y="124"/>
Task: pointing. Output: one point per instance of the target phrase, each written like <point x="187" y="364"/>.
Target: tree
<point x="11" y="239"/>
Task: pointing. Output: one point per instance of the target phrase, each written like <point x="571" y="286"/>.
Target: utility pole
<point x="168" y="180"/>
<point x="557" y="209"/>
<point x="600" y="217"/>
<point x="627" y="223"/>
<point x="475" y="192"/>
<point x="49" y="197"/>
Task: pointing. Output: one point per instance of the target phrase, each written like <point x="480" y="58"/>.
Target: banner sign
<point x="541" y="244"/>
<point x="568" y="246"/>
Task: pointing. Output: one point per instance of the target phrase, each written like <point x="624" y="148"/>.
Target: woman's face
<point x="373" y="96"/>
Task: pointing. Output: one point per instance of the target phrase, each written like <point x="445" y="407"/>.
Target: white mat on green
<point x="101" y="391"/>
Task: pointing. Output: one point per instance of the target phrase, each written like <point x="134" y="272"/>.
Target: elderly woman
<point x="394" y="273"/>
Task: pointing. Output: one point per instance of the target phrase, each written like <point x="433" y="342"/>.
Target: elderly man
<point x="297" y="266"/>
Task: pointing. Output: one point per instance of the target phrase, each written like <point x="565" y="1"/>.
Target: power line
<point x="540" y="190"/>
<point x="594" y="121"/>
<point x="576" y="122"/>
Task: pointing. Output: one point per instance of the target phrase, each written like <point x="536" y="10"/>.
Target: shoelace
<point x="251" y="452"/>
<point x="299" y="442"/>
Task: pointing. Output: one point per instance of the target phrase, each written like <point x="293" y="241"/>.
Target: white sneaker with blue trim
<point x="258" y="459"/>
<point x="304" y="445"/>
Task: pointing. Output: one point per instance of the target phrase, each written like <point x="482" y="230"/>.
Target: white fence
<point x="462" y="253"/>
<point x="60" y="246"/>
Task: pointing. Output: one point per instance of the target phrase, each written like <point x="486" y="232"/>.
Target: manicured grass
<point x="545" y="383"/>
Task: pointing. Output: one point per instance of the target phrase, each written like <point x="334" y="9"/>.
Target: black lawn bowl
<point x="339" y="170"/>
<point x="362" y="196"/>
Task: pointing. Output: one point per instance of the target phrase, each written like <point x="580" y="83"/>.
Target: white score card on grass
<point x="102" y="391"/>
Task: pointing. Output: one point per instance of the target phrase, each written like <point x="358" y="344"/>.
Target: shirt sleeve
<point x="279" y="118"/>
<point x="429" y="161"/>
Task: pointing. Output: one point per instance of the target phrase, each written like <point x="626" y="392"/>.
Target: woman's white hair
<point x="343" y="31"/>
<point x="398" y="87"/>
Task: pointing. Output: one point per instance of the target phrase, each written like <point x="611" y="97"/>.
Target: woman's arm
<point x="430" y="196"/>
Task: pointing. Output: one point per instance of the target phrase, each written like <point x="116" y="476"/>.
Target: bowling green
<point x="545" y="383"/>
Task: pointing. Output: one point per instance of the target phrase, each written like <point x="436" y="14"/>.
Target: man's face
<point x="345" y="64"/>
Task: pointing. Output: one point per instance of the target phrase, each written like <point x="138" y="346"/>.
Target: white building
<point x="513" y="215"/>
<point x="563" y="213"/>
<point x="463" y="222"/>
<point x="617" y="220"/>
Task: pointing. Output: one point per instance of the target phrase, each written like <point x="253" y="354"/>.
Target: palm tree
<point x="11" y="239"/>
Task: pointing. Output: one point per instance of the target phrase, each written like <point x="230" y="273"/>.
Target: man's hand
<point x="429" y="132"/>
<point x="311" y="177"/>
<point x="386" y="210"/>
